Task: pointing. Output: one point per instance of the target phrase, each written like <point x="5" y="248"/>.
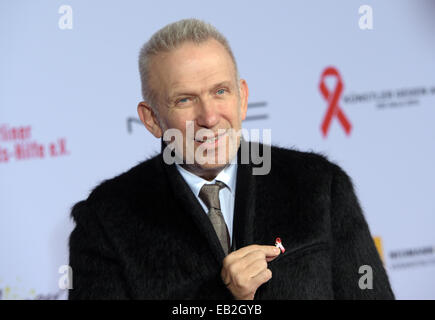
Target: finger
<point x="269" y="259"/>
<point x="262" y="277"/>
<point x="251" y="253"/>
<point x="256" y="268"/>
<point x="242" y="252"/>
<point x="240" y="265"/>
<point x="246" y="250"/>
<point x="269" y="251"/>
<point x="275" y="253"/>
<point x="252" y="257"/>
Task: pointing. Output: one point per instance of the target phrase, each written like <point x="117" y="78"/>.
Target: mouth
<point x="212" y="141"/>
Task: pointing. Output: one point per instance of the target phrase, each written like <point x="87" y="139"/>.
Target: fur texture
<point x="143" y="235"/>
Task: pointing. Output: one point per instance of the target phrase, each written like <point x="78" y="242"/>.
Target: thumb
<point x="272" y="252"/>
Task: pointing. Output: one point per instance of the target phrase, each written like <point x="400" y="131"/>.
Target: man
<point x="205" y="227"/>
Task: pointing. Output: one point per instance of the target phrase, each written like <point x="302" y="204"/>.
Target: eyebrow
<point x="178" y="93"/>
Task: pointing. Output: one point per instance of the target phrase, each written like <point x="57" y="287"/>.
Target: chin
<point x="208" y="171"/>
<point x="212" y="166"/>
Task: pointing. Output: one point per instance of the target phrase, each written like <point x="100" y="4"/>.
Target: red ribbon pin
<point x="278" y="244"/>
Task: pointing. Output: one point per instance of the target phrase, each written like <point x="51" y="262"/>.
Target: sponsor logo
<point x="378" y="244"/>
<point x="18" y="144"/>
<point x="412" y="257"/>
<point x="386" y="99"/>
<point x="390" y="98"/>
<point x="332" y="98"/>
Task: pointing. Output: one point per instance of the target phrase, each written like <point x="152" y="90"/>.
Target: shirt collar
<point x="227" y="176"/>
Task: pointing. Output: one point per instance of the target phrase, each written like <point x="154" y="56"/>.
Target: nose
<point x="207" y="115"/>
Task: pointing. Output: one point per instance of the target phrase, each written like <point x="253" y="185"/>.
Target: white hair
<point x="170" y="37"/>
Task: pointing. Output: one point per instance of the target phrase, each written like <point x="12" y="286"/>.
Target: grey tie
<point x="210" y="195"/>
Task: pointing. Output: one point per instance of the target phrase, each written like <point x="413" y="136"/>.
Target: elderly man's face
<point x="197" y="83"/>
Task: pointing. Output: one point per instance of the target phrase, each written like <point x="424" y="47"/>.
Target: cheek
<point x="231" y="111"/>
<point x="176" y="120"/>
<point x="235" y="117"/>
<point x="183" y="124"/>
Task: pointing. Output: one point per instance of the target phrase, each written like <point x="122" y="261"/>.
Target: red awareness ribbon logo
<point x="332" y="99"/>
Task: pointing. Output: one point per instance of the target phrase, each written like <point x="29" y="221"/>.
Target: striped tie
<point x="210" y="195"/>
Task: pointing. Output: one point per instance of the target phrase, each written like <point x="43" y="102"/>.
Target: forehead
<point x="191" y="67"/>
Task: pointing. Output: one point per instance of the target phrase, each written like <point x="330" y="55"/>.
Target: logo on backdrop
<point x="391" y="98"/>
<point x="385" y="99"/>
<point x="406" y="258"/>
<point x="332" y="98"/>
<point x="18" y="144"/>
<point x="413" y="257"/>
<point x="378" y="244"/>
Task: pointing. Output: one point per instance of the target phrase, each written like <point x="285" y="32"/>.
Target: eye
<point x="183" y="100"/>
<point x="220" y="91"/>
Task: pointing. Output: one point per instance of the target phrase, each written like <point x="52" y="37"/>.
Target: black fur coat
<point x="143" y="234"/>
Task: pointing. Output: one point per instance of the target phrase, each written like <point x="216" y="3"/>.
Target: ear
<point x="244" y="94"/>
<point x="149" y="119"/>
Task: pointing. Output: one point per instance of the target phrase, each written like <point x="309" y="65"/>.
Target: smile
<point x="212" y="140"/>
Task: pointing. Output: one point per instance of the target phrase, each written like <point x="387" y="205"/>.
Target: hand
<point x="246" y="269"/>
